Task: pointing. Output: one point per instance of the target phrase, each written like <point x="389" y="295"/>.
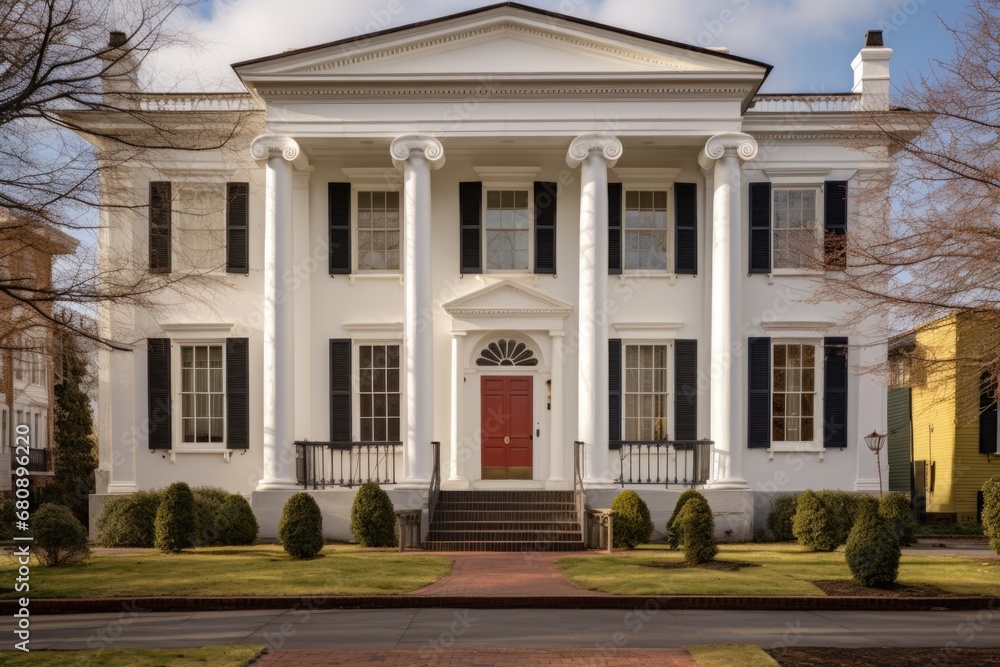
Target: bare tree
<point x="69" y="84"/>
<point x="941" y="202"/>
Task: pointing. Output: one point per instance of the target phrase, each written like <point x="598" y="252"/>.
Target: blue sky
<point x="811" y="43"/>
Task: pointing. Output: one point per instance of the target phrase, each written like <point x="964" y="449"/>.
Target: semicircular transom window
<point x="506" y="352"/>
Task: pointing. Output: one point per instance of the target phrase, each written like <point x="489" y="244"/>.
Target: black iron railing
<point x="39" y="460"/>
<point x="579" y="493"/>
<point x="434" y="491"/>
<point x="666" y="462"/>
<point x="319" y="465"/>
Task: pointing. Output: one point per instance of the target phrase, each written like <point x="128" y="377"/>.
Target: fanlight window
<point x="506" y="353"/>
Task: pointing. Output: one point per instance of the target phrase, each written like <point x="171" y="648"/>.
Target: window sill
<point x="796" y="448"/>
<point x="354" y="277"/>
<point x="794" y="273"/>
<point x="639" y="274"/>
<point x="227" y="454"/>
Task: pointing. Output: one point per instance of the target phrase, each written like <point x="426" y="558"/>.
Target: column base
<point x="279" y="485"/>
<point x="730" y="483"/>
<point x="122" y="487"/>
<point x="599" y="484"/>
<point x="413" y="484"/>
<point x="557" y="484"/>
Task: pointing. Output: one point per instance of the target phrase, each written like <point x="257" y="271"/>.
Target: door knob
<point x="506" y="440"/>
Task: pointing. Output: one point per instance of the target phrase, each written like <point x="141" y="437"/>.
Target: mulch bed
<point x="849" y="588"/>
<point x="720" y="565"/>
<point x="805" y="656"/>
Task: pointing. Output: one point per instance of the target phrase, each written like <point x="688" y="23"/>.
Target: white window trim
<point x="806" y="183"/>
<point x="671" y="365"/>
<point x="178" y="446"/>
<point x="356" y="346"/>
<point x="386" y="186"/>
<point x="640" y="186"/>
<point x="484" y="244"/>
<point x="816" y="444"/>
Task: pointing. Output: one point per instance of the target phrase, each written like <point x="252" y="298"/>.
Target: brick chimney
<point x="871" y="73"/>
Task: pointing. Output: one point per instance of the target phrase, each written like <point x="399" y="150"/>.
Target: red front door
<point x="506" y="427"/>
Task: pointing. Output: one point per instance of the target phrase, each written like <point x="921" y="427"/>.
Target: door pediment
<point x="507" y="298"/>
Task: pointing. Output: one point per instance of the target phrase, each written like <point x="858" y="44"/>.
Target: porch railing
<point x="579" y="494"/>
<point x="435" y="488"/>
<point x="39" y="460"/>
<point x="666" y="462"/>
<point x="319" y="465"/>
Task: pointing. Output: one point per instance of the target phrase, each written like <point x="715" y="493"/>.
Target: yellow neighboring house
<point x="942" y="416"/>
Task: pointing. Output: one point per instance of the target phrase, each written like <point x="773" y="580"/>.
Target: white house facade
<point x="506" y="231"/>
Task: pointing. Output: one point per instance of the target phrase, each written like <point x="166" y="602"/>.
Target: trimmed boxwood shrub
<point x="128" y="520"/>
<point x="843" y="507"/>
<point x="235" y="522"/>
<point x="7" y="518"/>
<point x="673" y="536"/>
<point x="813" y="526"/>
<point x="300" y="530"/>
<point x="780" y="517"/>
<point x="896" y="510"/>
<point x="872" y="549"/>
<point x="59" y="538"/>
<point x="207" y="503"/>
<point x="991" y="512"/>
<point x="176" y="521"/>
<point x="632" y="523"/>
<point x="697" y="528"/>
<point x="373" y="518"/>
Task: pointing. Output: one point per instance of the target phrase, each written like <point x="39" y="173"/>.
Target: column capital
<point x="405" y="146"/>
<point x="606" y="145"/>
<point x="269" y="145"/>
<point x="739" y="144"/>
<point x="557" y="333"/>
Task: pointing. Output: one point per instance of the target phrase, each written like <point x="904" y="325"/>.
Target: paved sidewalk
<point x="481" y="658"/>
<point x="486" y="574"/>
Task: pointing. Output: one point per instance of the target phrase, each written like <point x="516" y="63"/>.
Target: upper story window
<point x="797" y="236"/>
<point x="508" y="230"/>
<point x="379" y="232"/>
<point x="29" y="367"/>
<point x="203" y="394"/>
<point x="645" y="229"/>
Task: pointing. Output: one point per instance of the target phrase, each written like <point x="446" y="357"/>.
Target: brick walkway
<point x="489" y="574"/>
<point x="480" y="658"/>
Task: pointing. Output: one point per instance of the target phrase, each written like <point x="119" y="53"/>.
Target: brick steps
<point x="505" y="521"/>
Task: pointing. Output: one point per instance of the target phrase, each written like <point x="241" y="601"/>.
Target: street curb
<point x="678" y="602"/>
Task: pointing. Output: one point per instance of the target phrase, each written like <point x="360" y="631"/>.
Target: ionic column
<point x="596" y="152"/>
<point x="416" y="155"/>
<point x="557" y="446"/>
<point x="726" y="150"/>
<point x="279" y="323"/>
<point x="457" y="378"/>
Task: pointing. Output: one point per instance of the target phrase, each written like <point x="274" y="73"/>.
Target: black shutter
<point x="237" y="227"/>
<point x="614" y="229"/>
<point x="545" y="227"/>
<point x="339" y="202"/>
<point x="237" y="393"/>
<point x="835" y="392"/>
<point x="835" y="222"/>
<point x="340" y="390"/>
<point x="760" y="228"/>
<point x="686" y="390"/>
<point x="158" y="392"/>
<point x="159" y="226"/>
<point x="686" y="228"/>
<point x="759" y="395"/>
<point x="987" y="414"/>
<point x="615" y="393"/>
<point x="470" y="211"/>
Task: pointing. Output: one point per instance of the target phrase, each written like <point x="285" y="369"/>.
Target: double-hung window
<point x="379" y="392"/>
<point x="203" y="394"/>
<point x="507" y="242"/>
<point x="646" y="392"/>
<point x="793" y="398"/>
<point x="645" y="230"/>
<point x="378" y="230"/>
<point x="797" y="236"/>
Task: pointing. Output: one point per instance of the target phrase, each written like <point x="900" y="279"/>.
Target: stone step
<point x="508" y="496"/>
<point x="508" y="525"/>
<point x="508" y="516"/>
<point x="504" y="536"/>
<point x="505" y="506"/>
<point x="503" y="546"/>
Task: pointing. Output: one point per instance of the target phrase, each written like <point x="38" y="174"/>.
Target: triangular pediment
<point x="505" y="41"/>
<point x="507" y="298"/>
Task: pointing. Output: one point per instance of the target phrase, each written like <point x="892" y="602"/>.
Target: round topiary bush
<point x="128" y="520"/>
<point x="780" y="517"/>
<point x="59" y="538"/>
<point x="697" y="528"/>
<point x="632" y="524"/>
<point x="674" y="536"/>
<point x="300" y="530"/>
<point x="235" y="522"/>
<point x="896" y="510"/>
<point x="991" y="512"/>
<point x="813" y="526"/>
<point x="373" y="518"/>
<point x="207" y="503"/>
<point x="872" y="549"/>
<point x="842" y="507"/>
<point x="8" y="514"/>
<point x="176" y="522"/>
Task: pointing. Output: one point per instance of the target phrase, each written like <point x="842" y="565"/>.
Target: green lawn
<point x="256" y="570"/>
<point x="773" y="569"/>
<point x="725" y="655"/>
<point x="238" y="655"/>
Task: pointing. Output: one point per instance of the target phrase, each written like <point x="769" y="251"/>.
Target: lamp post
<point x="875" y="442"/>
